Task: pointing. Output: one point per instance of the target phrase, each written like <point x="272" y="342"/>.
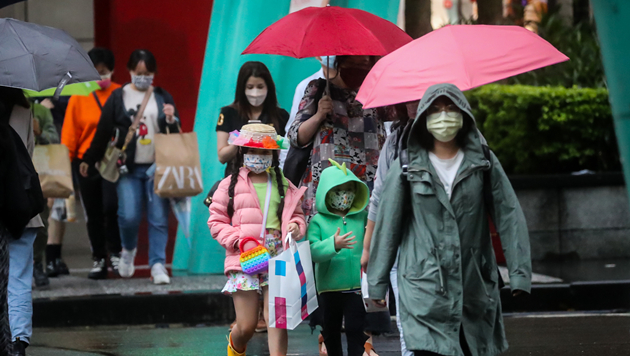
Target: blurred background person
<point x="135" y="186"/>
<point x="98" y="196"/>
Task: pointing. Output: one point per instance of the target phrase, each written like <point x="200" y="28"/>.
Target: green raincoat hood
<point x="337" y="175"/>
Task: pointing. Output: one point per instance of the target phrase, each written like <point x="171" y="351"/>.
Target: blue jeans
<point x="20" y="288"/>
<point x="135" y="192"/>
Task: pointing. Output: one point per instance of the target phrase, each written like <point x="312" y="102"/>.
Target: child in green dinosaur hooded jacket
<point x="336" y="236"/>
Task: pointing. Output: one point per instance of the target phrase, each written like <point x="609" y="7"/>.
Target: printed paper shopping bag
<point x="178" y="169"/>
<point x="52" y="163"/>
<point x="292" y="293"/>
<point x="368" y="303"/>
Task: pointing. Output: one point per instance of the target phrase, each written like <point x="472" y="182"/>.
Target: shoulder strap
<point x="98" y="101"/>
<point x="267" y="202"/>
<point x="137" y="118"/>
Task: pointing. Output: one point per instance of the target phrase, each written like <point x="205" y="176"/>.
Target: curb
<point x="213" y="307"/>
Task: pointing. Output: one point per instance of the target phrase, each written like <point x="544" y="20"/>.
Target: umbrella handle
<point x="62" y="83"/>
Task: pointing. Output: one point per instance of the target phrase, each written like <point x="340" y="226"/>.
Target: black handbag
<point x="298" y="159"/>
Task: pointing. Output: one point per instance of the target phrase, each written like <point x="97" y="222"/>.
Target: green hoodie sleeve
<point x="322" y="247"/>
<point x="387" y="232"/>
<point x="44" y="117"/>
<point x="512" y="228"/>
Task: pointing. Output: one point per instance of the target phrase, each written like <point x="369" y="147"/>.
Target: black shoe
<point x="63" y="268"/>
<point x="51" y="269"/>
<point x="39" y="276"/>
<point x="56" y="268"/>
<point x="114" y="260"/>
<point x="99" y="270"/>
<point x="18" y="348"/>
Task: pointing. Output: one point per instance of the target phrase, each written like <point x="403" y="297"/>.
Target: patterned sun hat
<point x="259" y="136"/>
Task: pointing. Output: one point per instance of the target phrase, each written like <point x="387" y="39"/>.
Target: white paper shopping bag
<point x="368" y="303"/>
<point x="292" y="293"/>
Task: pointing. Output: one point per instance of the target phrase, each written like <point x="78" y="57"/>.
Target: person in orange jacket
<point x="98" y="195"/>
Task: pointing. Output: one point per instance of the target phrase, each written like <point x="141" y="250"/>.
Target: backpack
<point x="21" y="197"/>
<point x="402" y="153"/>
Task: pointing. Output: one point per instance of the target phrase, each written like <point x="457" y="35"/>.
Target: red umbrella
<point x="328" y="31"/>
<point x="465" y="55"/>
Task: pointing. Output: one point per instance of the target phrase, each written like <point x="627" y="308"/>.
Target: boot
<point x="18" y="348"/>
<point x="230" y="348"/>
<point x="39" y="276"/>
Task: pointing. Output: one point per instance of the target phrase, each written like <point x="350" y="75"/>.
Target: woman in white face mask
<point x="255" y="99"/>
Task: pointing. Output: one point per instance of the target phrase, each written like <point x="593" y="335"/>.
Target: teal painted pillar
<point x="234" y="24"/>
<point x="612" y="18"/>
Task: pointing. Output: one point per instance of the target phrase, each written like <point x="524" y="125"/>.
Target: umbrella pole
<point x="327" y="76"/>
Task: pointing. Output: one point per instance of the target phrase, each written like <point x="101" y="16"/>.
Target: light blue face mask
<point x="328" y="61"/>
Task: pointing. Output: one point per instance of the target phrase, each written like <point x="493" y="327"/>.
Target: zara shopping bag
<point x="52" y="163"/>
<point x="292" y="293"/>
<point x="178" y="168"/>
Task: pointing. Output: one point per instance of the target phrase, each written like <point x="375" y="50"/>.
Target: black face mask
<point x="353" y="77"/>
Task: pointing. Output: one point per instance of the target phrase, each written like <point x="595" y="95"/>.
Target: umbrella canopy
<point x="39" y="57"/>
<point x="5" y="3"/>
<point x="82" y="89"/>
<point x="327" y="31"/>
<point x="465" y="55"/>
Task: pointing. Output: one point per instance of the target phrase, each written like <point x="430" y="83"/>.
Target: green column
<point x="612" y="18"/>
<point x="234" y="24"/>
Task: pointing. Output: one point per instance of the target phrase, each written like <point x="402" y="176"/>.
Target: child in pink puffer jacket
<point x="237" y="212"/>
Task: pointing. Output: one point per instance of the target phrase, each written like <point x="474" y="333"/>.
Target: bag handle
<point x="98" y="101"/>
<point x="137" y="118"/>
<point x="267" y="201"/>
<point x="246" y="240"/>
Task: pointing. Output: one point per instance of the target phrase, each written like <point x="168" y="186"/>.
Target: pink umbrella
<point x="465" y="55"/>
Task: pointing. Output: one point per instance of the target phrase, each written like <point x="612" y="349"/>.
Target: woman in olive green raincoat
<point x="447" y="272"/>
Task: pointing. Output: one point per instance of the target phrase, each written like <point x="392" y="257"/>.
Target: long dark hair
<point x="402" y="117"/>
<point x="242" y="105"/>
<point x="238" y="163"/>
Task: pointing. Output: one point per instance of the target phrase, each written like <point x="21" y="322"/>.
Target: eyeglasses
<point x="451" y="110"/>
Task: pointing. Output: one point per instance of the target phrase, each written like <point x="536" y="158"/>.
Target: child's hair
<point x="238" y="163"/>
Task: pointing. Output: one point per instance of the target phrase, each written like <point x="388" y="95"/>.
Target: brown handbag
<point x="108" y="167"/>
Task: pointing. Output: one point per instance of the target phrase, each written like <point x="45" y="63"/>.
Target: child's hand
<point x="248" y="246"/>
<point x="294" y="229"/>
<point x="343" y="241"/>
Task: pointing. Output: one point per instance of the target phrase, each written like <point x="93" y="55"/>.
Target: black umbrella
<point x="39" y="57"/>
<point x="5" y="3"/>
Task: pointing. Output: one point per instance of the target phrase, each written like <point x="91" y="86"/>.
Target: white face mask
<point x="257" y="163"/>
<point x="256" y="97"/>
<point x="444" y="127"/>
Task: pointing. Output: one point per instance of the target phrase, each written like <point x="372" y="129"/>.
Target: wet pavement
<point x="531" y="335"/>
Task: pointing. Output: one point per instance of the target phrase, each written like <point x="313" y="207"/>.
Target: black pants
<point x="39" y="246"/>
<point x="462" y="342"/>
<point x="335" y="307"/>
<point x="100" y="201"/>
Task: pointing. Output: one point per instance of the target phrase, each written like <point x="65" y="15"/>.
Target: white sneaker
<point x="159" y="274"/>
<point x="126" y="268"/>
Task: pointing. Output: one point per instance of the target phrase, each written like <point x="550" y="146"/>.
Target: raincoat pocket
<point x="479" y="293"/>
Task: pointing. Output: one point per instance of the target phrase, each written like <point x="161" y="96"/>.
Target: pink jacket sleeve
<point x="298" y="218"/>
<point x="220" y="223"/>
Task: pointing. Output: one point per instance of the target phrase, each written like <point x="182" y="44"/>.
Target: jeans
<point x="100" y="203"/>
<point x="20" y="288"/>
<point x="393" y="278"/>
<point x="135" y="192"/>
<point x="336" y="307"/>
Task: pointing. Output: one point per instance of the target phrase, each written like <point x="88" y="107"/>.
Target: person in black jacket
<point x="135" y="187"/>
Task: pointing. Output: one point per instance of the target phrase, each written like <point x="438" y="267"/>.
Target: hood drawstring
<point x="441" y="290"/>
